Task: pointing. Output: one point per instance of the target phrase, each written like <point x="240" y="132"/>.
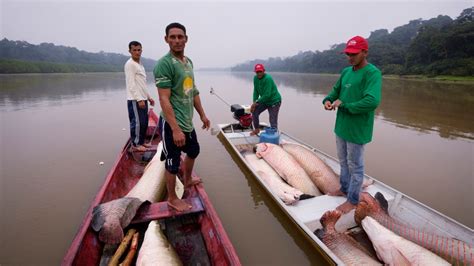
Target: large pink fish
<point x="453" y="250"/>
<point x="287" y="167"/>
<point x="288" y="194"/>
<point x="322" y="175"/>
<point x="396" y="250"/>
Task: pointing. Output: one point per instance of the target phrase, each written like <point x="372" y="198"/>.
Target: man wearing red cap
<point x="265" y="96"/>
<point x="355" y="96"/>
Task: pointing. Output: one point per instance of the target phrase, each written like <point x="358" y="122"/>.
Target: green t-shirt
<point x="171" y="73"/>
<point x="360" y="93"/>
<point x="265" y="90"/>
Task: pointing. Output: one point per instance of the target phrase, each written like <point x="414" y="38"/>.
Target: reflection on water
<point x="424" y="106"/>
<point x="56" y="128"/>
<point x="24" y="91"/>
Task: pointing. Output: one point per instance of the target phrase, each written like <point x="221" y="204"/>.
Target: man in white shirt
<point x="137" y="97"/>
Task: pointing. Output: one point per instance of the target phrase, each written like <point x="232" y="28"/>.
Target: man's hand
<point x="253" y="106"/>
<point x="152" y="102"/>
<point x="141" y="104"/>
<point x="328" y="105"/>
<point x="206" y="124"/>
<point x="179" y="138"/>
<point x="336" y="104"/>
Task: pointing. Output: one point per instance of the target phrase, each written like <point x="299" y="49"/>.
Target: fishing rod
<point x="214" y="93"/>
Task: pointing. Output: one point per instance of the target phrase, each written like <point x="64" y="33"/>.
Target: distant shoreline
<point x="441" y="79"/>
<point x="18" y="67"/>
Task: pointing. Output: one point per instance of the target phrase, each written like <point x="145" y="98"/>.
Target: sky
<point x="221" y="33"/>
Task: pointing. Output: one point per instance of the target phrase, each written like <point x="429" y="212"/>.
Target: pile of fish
<point x="453" y="250"/>
<point x="293" y="172"/>
<point x="305" y="173"/>
<point x="110" y="218"/>
<point x="394" y="243"/>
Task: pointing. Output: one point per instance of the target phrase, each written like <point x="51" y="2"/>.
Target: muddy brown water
<point x="56" y="128"/>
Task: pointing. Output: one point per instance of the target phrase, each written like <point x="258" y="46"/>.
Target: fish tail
<point x="329" y="219"/>
<point x="305" y="196"/>
<point x="111" y="217"/>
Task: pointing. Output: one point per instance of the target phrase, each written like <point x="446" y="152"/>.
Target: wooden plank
<point x="160" y="210"/>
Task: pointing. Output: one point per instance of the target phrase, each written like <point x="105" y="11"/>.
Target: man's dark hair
<point x="134" y="43"/>
<point x="175" y="25"/>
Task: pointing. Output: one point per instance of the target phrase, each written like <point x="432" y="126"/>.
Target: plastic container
<point x="270" y="135"/>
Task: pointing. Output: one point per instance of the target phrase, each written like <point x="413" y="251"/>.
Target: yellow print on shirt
<point x="188" y="85"/>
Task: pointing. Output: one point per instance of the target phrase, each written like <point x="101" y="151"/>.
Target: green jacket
<point x="360" y="93"/>
<point x="265" y="90"/>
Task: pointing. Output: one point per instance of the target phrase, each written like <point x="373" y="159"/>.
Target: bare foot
<point x="255" y="132"/>
<point x="346" y="207"/>
<point x="179" y="205"/>
<point x="336" y="193"/>
<point x="139" y="148"/>
<point x="147" y="145"/>
<point x="192" y="183"/>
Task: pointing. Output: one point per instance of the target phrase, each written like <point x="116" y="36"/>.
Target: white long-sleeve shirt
<point x="135" y="80"/>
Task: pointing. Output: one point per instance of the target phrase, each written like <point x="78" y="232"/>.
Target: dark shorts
<point x="172" y="153"/>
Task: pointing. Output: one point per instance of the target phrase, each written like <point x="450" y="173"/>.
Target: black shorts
<point x="172" y="153"/>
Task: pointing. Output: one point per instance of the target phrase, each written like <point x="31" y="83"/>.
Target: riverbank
<point x="441" y="79"/>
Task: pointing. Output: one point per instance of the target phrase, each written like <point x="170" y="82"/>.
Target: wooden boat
<point x="306" y="213"/>
<point x="200" y="228"/>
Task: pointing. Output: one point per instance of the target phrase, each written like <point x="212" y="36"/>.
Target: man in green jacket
<point x="355" y="96"/>
<point x="265" y="96"/>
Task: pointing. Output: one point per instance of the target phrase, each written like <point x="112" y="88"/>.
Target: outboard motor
<point x="242" y="114"/>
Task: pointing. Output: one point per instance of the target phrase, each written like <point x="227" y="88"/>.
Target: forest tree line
<point x="23" y="57"/>
<point x="438" y="46"/>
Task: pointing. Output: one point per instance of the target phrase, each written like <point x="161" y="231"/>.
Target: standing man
<point x="265" y="96"/>
<point x="137" y="97"/>
<point x="179" y="96"/>
<point x="355" y="96"/>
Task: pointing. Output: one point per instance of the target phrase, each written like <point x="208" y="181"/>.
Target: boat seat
<point x="310" y="211"/>
<point x="160" y="210"/>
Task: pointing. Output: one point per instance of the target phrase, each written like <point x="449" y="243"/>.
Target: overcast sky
<point x="221" y="34"/>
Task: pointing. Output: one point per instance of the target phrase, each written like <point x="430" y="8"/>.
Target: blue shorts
<point x="172" y="153"/>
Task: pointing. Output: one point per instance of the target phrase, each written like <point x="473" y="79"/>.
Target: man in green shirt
<point x="265" y="96"/>
<point x="174" y="78"/>
<point x="355" y="96"/>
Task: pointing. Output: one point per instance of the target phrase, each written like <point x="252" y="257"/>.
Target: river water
<point x="56" y="128"/>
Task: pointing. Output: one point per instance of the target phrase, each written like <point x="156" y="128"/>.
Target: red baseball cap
<point x="259" y="68"/>
<point x="356" y="44"/>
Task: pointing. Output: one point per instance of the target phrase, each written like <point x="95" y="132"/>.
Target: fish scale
<point x="287" y="167"/>
<point x="343" y="246"/>
<point x="453" y="250"/>
<point x="392" y="248"/>
<point x="320" y="173"/>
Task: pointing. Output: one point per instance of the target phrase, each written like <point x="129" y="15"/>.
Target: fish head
<point x="380" y="238"/>
<point x="261" y="149"/>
